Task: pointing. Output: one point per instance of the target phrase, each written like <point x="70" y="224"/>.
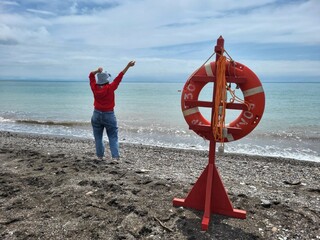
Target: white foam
<point x="274" y="151"/>
<point x="181" y="139"/>
<point x="3" y="120"/>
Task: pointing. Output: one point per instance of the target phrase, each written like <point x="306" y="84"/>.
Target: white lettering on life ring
<point x="248" y="114"/>
<point x="188" y="96"/>
<point x="191" y="87"/>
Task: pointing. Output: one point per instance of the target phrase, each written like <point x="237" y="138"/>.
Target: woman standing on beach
<point x="103" y="115"/>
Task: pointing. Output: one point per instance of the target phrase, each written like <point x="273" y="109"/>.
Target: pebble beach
<point x="55" y="188"/>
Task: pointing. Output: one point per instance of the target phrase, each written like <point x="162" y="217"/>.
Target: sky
<point x="64" y="40"/>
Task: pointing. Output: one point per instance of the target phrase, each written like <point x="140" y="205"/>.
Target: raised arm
<point x="93" y="78"/>
<point x="130" y="64"/>
<point x="99" y="70"/>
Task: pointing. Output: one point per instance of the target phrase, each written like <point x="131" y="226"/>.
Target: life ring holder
<point x="252" y="108"/>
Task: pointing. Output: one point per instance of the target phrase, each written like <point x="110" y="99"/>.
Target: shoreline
<point x="54" y="187"/>
<point x="123" y="143"/>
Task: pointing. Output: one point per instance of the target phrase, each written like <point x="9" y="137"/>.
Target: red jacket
<point x="104" y="94"/>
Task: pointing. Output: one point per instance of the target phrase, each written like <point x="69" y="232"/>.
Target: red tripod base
<point x="209" y="195"/>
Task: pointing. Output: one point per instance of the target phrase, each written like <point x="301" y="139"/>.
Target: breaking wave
<point x="52" y="123"/>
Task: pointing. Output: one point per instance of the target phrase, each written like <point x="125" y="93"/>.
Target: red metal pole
<point x="208" y="193"/>
<point x="212" y="148"/>
<point x="219" y="48"/>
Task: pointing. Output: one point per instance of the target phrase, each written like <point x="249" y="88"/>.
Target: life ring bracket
<point x="230" y="79"/>
<point x="206" y="104"/>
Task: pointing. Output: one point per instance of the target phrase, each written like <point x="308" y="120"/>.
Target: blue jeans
<point x="108" y="121"/>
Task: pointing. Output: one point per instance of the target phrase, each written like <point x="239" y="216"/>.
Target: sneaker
<point x="115" y="161"/>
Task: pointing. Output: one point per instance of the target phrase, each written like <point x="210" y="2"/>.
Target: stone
<point x="265" y="203"/>
<point x="133" y="224"/>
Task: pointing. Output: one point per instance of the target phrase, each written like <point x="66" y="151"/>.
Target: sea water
<point x="150" y="113"/>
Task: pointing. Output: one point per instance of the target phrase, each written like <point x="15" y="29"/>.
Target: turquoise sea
<point x="149" y="113"/>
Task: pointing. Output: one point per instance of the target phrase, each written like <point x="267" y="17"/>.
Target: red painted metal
<point x="196" y="103"/>
<point x="209" y="194"/>
<point x="230" y="79"/>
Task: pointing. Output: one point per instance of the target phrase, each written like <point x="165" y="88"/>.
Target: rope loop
<point x="220" y="100"/>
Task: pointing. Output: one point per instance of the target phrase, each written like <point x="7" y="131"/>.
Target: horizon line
<point x="132" y="81"/>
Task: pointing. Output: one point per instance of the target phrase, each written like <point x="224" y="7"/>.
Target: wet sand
<point x="55" y="188"/>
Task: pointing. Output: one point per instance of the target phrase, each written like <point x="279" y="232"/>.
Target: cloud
<point x="23" y="36"/>
<point x="40" y="11"/>
<point x="167" y="38"/>
<point x="9" y="3"/>
<point x="281" y="68"/>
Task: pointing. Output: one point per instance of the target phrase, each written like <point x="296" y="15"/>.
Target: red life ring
<point x="252" y="111"/>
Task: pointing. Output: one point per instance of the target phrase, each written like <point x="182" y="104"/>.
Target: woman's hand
<point x="131" y="63"/>
<point x="99" y="70"/>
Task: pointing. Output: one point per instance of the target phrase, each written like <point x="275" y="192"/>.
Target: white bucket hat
<point x="103" y="78"/>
